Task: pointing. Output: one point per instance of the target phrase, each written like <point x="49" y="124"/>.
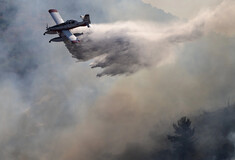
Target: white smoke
<point x="126" y="47"/>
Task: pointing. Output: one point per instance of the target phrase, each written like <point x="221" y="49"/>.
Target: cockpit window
<point x="70" y="21"/>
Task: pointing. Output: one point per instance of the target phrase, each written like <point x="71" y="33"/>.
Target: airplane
<point x="63" y="28"/>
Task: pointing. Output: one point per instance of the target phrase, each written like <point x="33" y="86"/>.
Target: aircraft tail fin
<point x="86" y="19"/>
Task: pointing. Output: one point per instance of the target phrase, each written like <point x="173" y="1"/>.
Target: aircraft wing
<point x="56" y="16"/>
<point x="58" y="20"/>
<point x="70" y="36"/>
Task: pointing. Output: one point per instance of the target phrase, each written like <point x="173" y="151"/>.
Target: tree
<point x="183" y="141"/>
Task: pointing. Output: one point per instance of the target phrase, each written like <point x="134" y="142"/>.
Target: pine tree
<point x="183" y="141"/>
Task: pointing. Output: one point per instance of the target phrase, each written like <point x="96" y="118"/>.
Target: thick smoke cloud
<point x="124" y="48"/>
<point x="54" y="108"/>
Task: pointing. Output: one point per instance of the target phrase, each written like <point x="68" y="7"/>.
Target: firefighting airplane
<point x="63" y="28"/>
